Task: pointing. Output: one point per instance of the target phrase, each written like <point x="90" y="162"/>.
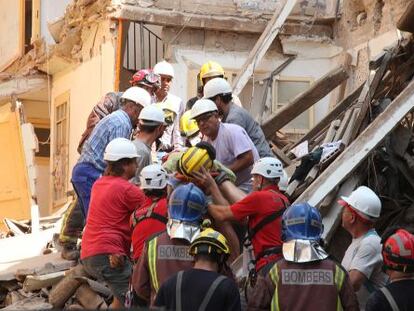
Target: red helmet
<point x="146" y="77"/>
<point x="398" y="251"/>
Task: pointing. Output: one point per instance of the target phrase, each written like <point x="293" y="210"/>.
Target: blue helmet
<point x="187" y="203"/>
<point x="301" y="221"/>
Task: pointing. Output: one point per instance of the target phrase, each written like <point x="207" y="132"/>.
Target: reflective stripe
<point x="339" y="280"/>
<point x="152" y="263"/>
<point x="274" y="276"/>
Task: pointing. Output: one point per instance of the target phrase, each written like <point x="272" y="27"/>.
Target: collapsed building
<point x="328" y="80"/>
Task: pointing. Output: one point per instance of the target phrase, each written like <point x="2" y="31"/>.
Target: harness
<point x="149" y="214"/>
<point x="207" y="297"/>
<point x="251" y="233"/>
<point x="252" y="277"/>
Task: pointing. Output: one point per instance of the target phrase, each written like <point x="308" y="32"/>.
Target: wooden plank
<point x="341" y="107"/>
<point x="305" y="100"/>
<point x="344" y="123"/>
<point x="346" y="162"/>
<point x="263" y="44"/>
<point x="332" y="219"/>
<point x="364" y="101"/>
<point x="35" y="282"/>
<point x="281" y="155"/>
<point x="376" y="62"/>
<point x="346" y="138"/>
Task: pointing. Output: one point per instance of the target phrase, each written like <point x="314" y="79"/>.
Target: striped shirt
<point x="117" y="124"/>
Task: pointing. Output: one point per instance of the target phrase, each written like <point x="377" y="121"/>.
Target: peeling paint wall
<point x="194" y="47"/>
<point x="86" y="84"/>
<point x="50" y="11"/>
<point x="364" y="29"/>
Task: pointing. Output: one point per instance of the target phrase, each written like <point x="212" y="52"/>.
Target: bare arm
<point x="231" y="192"/>
<point x="243" y="161"/>
<point x="357" y="278"/>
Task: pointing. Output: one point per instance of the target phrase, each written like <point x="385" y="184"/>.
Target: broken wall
<point x="189" y="49"/>
<point x="50" y="12"/>
<point x="364" y="29"/>
<point x="86" y="84"/>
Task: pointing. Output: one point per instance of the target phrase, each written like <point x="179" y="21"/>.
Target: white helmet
<point x="268" y="167"/>
<point x="152" y="115"/>
<point x="164" y="68"/>
<point x="365" y="201"/>
<point x="202" y="106"/>
<point x="120" y="148"/>
<point x="153" y="176"/>
<point x="283" y="182"/>
<point x="215" y="87"/>
<point x="137" y="95"/>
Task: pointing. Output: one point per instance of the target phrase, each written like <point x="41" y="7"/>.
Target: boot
<point x="70" y="252"/>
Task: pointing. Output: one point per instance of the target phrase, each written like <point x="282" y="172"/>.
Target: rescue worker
<point x="106" y="240"/>
<point x="144" y="78"/>
<point x="166" y="71"/>
<point x="208" y="71"/>
<point x="165" y="143"/>
<point x="233" y="146"/>
<point x="74" y="218"/>
<point x="202" y="287"/>
<point x="363" y="259"/>
<point x="398" y="255"/>
<point x="189" y="130"/>
<point x="118" y="124"/>
<point x="263" y="208"/>
<point x="151" y="124"/>
<point x="305" y="278"/>
<point x="167" y="252"/>
<point x="152" y="216"/>
<point x="219" y="91"/>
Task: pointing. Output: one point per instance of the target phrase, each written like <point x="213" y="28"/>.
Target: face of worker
<point x="133" y="110"/>
<point x="208" y="123"/>
<point x="166" y="82"/>
<point x="348" y="218"/>
<point x="130" y="169"/>
<point x="257" y="182"/>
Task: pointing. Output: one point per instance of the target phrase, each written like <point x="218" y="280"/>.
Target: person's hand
<point x="204" y="179"/>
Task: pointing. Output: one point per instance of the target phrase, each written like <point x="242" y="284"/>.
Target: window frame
<point x="274" y="108"/>
<point x="60" y="100"/>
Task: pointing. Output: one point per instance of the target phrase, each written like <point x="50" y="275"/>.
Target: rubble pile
<point x="339" y="145"/>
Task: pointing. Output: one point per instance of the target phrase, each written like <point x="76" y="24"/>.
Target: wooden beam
<point x="281" y="155"/>
<point x="365" y="98"/>
<point x="305" y="100"/>
<point x="332" y="218"/>
<point x="341" y="107"/>
<point x="367" y="141"/>
<point x="262" y="45"/>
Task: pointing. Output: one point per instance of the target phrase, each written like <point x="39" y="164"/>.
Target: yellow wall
<point x="86" y="84"/>
<point x="11" y="35"/>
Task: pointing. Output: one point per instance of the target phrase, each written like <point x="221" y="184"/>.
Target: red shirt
<point x="148" y="226"/>
<point x="257" y="205"/>
<point x="107" y="229"/>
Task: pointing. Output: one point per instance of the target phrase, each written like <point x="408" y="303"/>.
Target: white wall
<point x="308" y="64"/>
<point x="50" y="10"/>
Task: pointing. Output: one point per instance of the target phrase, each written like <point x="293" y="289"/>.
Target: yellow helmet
<point x="193" y="159"/>
<point x="210" y="241"/>
<point x="211" y="69"/>
<point x="170" y="111"/>
<point x="188" y="126"/>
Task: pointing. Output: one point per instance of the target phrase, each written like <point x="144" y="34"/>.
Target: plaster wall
<point x="194" y="48"/>
<point x="86" y="84"/>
